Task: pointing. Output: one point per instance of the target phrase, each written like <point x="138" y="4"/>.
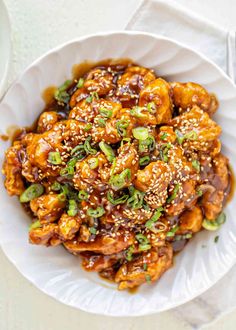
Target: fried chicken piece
<point x="158" y="93"/>
<point x="127" y="158"/>
<point x="43" y="235"/>
<point x="212" y="201"/>
<point x="12" y="170"/>
<point x="98" y="108"/>
<point x="98" y="262"/>
<point x="199" y="130"/>
<point x="133" y="273"/>
<point x="46" y="121"/>
<point x="130" y="84"/>
<point x="102" y="244"/>
<point x="68" y="226"/>
<point x="47" y="208"/>
<point x="190" y="221"/>
<point x="85" y="176"/>
<point x="154" y="180"/>
<point x="186" y="95"/>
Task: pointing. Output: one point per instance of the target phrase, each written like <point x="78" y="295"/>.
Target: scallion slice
<point x="121" y="126"/>
<point x="116" y="201"/>
<point x="96" y="213"/>
<point x="32" y="192"/>
<point x="83" y="195"/>
<point x="118" y="181"/>
<point x="140" y="133"/>
<point x="54" y="158"/>
<point x="174" y="193"/>
<point x="144" y="160"/>
<point x="107" y="150"/>
<point x="73" y="209"/>
<point x="93" y="163"/>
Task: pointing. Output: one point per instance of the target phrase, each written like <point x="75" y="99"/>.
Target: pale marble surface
<point x="35" y="30"/>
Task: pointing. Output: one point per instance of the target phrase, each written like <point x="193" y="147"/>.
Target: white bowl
<point x="55" y="271"/>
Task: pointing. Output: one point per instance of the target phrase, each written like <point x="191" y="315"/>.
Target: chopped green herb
<point x="214" y="224"/>
<point x="107" y="150"/>
<point x="93" y="230"/>
<point x="144" y="243"/>
<point x="61" y="94"/>
<point x="145" y="267"/>
<point x="151" y="107"/>
<point x="54" y="158"/>
<point x="148" y="278"/>
<point x="88" y="127"/>
<point x="137" y="112"/>
<point x="93" y="163"/>
<point x="199" y="192"/>
<point x="164" y="136"/>
<point x="182" y="237"/>
<point x="172" y="232"/>
<point x="164" y="151"/>
<point x="96" y="213"/>
<point x="88" y="148"/>
<point x="196" y="165"/>
<point x="125" y="140"/>
<point x="174" y="193"/>
<point x="101" y="122"/>
<point x="89" y="99"/>
<point x="150" y="223"/>
<point x="144" y="160"/>
<point x="69" y="170"/>
<point x="121" y="126"/>
<point x="32" y="192"/>
<point x="92" y="96"/>
<point x="78" y="151"/>
<point x="116" y="201"/>
<point x="136" y="199"/>
<point x="72" y="209"/>
<point x="129" y="253"/>
<point x="147" y="145"/>
<point x="35" y="225"/>
<point x="56" y="186"/>
<point x="83" y="195"/>
<point x="62" y="197"/>
<point x="118" y="181"/>
<point x="188" y="136"/>
<point x="105" y="112"/>
<point x="80" y="83"/>
<point x="179" y="136"/>
<point x="216" y="239"/>
<point x="140" y="133"/>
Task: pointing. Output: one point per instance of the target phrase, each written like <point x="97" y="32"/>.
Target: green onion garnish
<point x="121" y="126"/>
<point x="56" y="186"/>
<point x="83" y="195"/>
<point x="92" y="96"/>
<point x="80" y="83"/>
<point x="88" y="127"/>
<point x="54" y="158"/>
<point x="93" y="230"/>
<point x="188" y="136"/>
<point x="105" y="112"/>
<point x="140" y="133"/>
<point x="118" y="181"/>
<point x="199" y="192"/>
<point x="125" y="140"/>
<point x="107" y="150"/>
<point x="172" y="232"/>
<point x="101" y="122"/>
<point x="147" y="145"/>
<point x="32" y="192"/>
<point x="61" y="94"/>
<point x="116" y="201"/>
<point x="93" y="163"/>
<point x="148" y="278"/>
<point x="87" y="147"/>
<point x="157" y="214"/>
<point x="214" y="224"/>
<point x="174" y="193"/>
<point x="144" y="243"/>
<point x="35" y="225"/>
<point x="137" y="112"/>
<point x="216" y="239"/>
<point x="144" y="160"/>
<point x="96" y="213"/>
<point x="151" y="107"/>
<point x="196" y="165"/>
<point x="136" y="199"/>
<point x="78" y="151"/>
<point x="69" y="170"/>
<point x="129" y="253"/>
<point x="164" y="136"/>
<point x="145" y="267"/>
<point x="164" y="151"/>
<point x="182" y="237"/>
<point x="72" y="210"/>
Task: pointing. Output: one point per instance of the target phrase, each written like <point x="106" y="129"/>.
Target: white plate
<point x="54" y="270"/>
<point x="5" y="45"/>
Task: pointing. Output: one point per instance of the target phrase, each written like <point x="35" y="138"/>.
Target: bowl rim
<point x="81" y="39"/>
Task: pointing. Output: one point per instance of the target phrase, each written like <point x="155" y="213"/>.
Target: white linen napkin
<point x="166" y="17"/>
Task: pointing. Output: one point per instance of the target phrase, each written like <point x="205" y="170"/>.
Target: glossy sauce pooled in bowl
<point x="122" y="168"/>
